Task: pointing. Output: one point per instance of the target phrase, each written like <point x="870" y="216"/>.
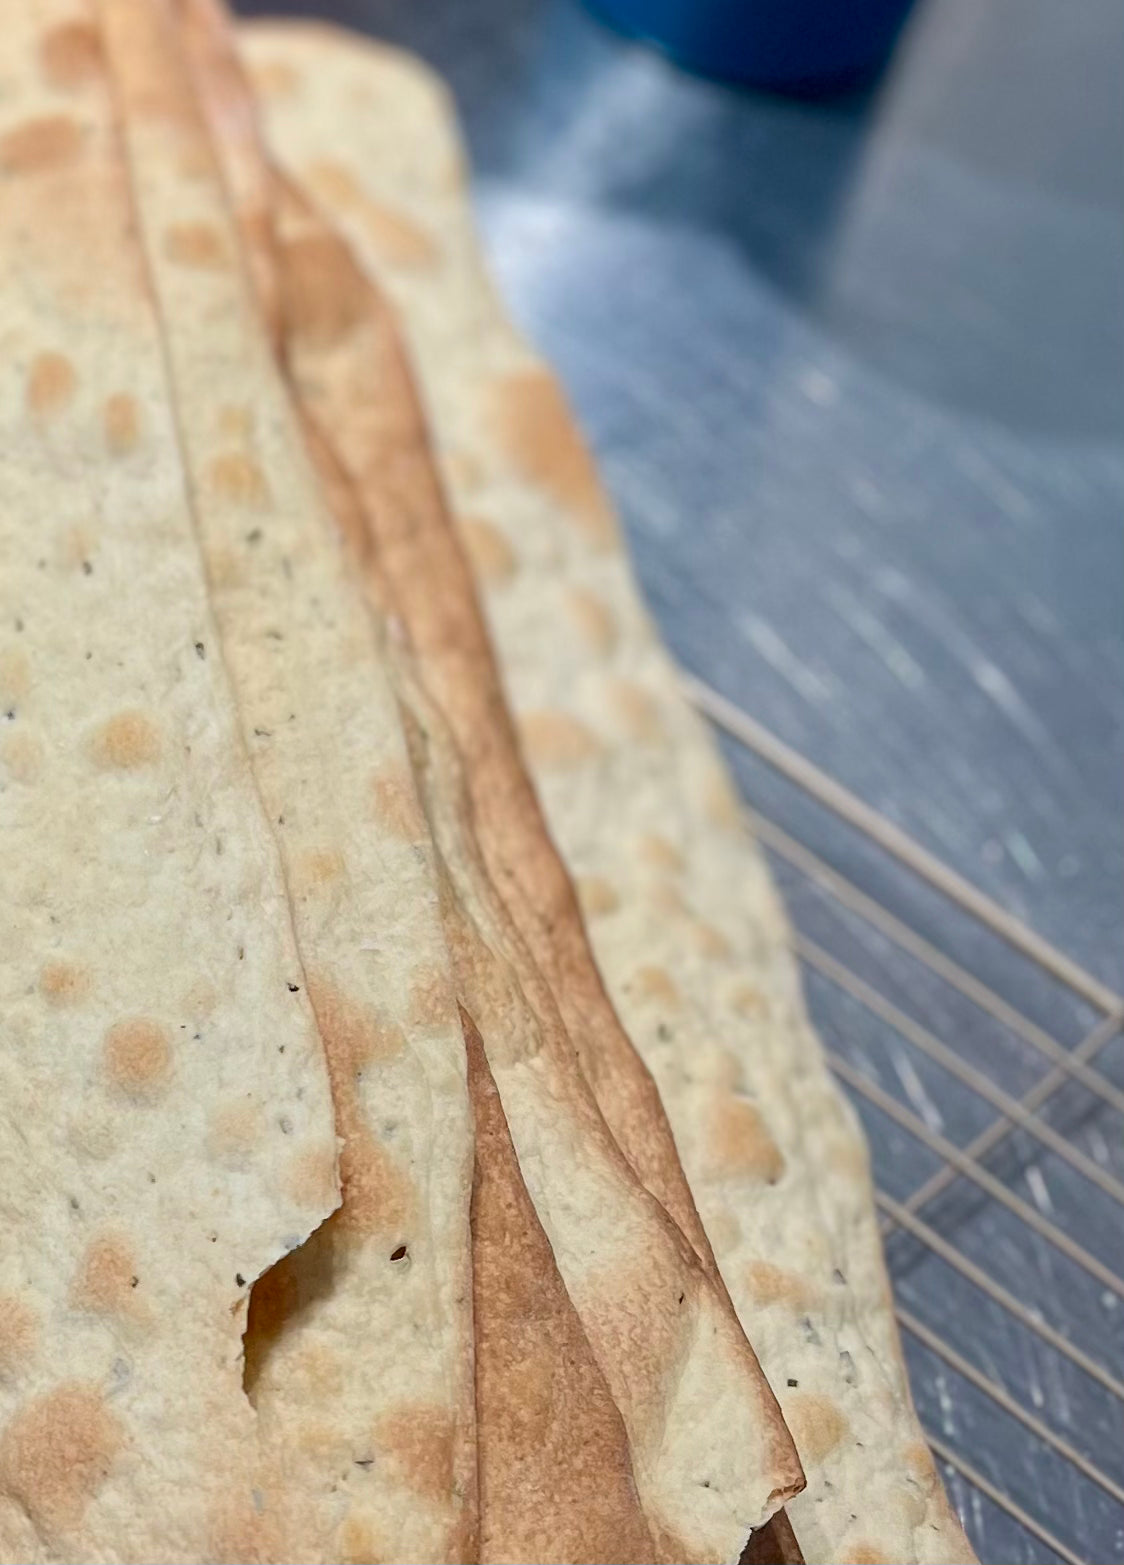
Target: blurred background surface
<point x="854" y="371"/>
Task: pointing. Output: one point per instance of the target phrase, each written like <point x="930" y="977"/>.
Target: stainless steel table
<point x="855" y="373"/>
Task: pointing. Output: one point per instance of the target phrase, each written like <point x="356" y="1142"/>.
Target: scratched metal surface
<point x="854" y="374"/>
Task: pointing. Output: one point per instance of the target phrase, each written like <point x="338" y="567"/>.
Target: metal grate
<point x="1022" y="1113"/>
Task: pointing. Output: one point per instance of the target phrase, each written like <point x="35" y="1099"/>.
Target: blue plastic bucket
<point x="786" y="45"/>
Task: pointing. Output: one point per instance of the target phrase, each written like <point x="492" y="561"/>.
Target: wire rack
<point x="973" y="1165"/>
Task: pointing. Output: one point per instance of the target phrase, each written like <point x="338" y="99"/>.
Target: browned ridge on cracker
<point x="684" y="923"/>
<point x="461" y="861"/>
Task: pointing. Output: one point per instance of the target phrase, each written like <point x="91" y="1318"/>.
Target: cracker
<point x="359" y="1356"/>
<point x="767" y="1470"/>
<point x="354" y="385"/>
<point x="685" y="925"/>
<point x="166" y="1126"/>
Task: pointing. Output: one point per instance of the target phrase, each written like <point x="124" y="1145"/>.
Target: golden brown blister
<point x="685" y="926"/>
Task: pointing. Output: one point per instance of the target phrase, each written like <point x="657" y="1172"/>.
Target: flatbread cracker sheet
<point x="674" y="1358"/>
<point x="703" y="1507"/>
<point x="166" y="1126"/>
<point x="359" y="1353"/>
<point x="554" y="1468"/>
<point x="556" y="1480"/>
<point x="354" y="385"/>
<point x="686" y="928"/>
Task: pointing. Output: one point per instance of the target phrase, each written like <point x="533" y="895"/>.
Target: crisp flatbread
<point x="555" y="1473"/>
<point x="704" y="1444"/>
<point x="353" y="382"/>
<point x="359" y="1354"/>
<point x="710" y="1458"/>
<point x="166" y="1126"/>
<point x="685" y="925"/>
<point x="698" y="1344"/>
<point x="556" y="1481"/>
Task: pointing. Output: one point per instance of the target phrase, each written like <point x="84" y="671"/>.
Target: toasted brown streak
<point x="231" y="115"/>
<point x="556" y="1480"/>
<point x="356" y="390"/>
<point x="357" y="387"/>
<point x="554" y="1465"/>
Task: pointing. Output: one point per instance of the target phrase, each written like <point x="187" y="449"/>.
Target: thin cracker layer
<point x="684" y="923"/>
<point x="371" y="1454"/>
<point x="166" y="1128"/>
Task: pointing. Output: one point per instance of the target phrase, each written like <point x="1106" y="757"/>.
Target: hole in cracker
<point x="281" y="1299"/>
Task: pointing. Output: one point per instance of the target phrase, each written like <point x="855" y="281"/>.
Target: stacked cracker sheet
<point x="412" y="1147"/>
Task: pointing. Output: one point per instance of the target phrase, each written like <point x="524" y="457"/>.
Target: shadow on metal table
<point x="854" y="371"/>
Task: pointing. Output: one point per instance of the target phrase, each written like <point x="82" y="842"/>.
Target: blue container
<point x="787" y="45"/>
